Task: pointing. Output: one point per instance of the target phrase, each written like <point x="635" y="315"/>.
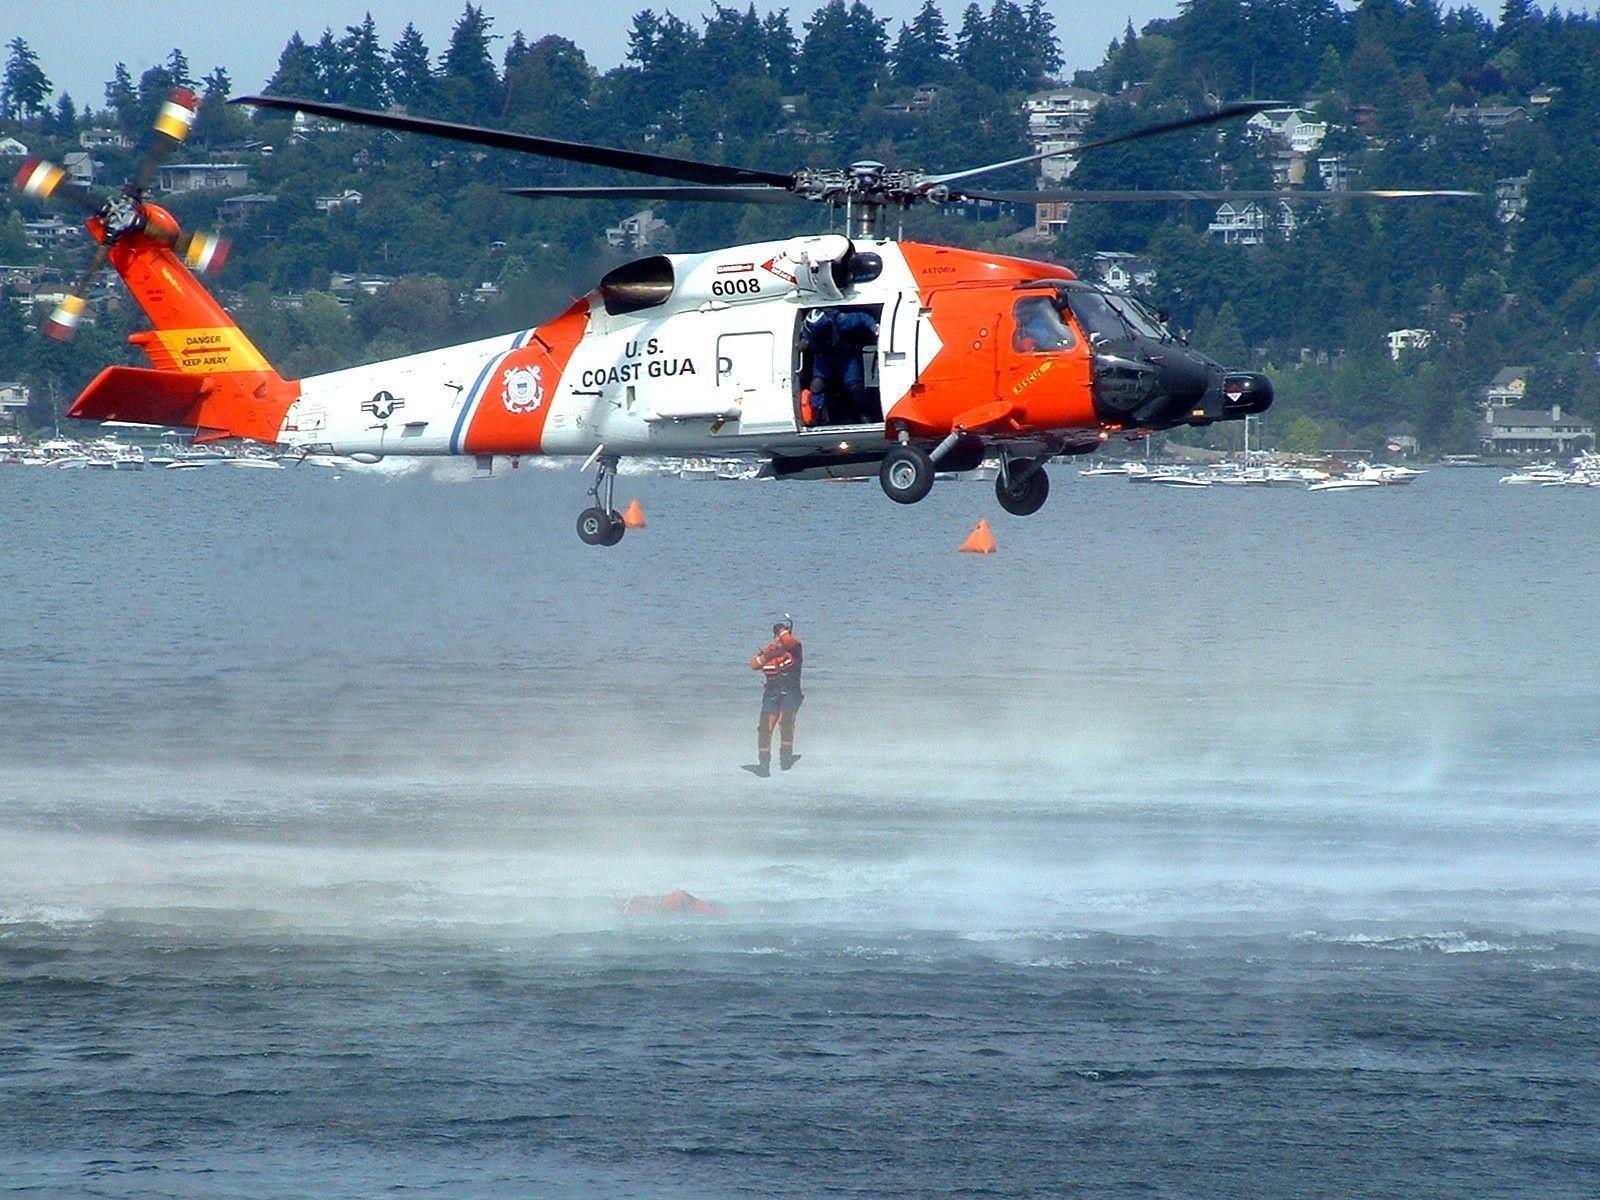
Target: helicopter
<point x="830" y="355"/>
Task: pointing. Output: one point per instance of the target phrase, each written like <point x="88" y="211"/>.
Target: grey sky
<point x="79" y="41"/>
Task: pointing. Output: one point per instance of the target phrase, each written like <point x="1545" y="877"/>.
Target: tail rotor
<point x="114" y="216"/>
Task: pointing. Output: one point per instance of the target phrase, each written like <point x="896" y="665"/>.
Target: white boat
<point x="1538" y="473"/>
<point x="1343" y="483"/>
<point x="1180" y="481"/>
<point x="1118" y="469"/>
<point x="255" y="462"/>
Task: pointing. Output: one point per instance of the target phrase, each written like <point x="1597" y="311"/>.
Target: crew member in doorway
<point x="838" y="341"/>
<point x="779" y="663"/>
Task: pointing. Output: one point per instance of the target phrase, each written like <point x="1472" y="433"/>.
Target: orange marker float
<point x="980" y="540"/>
<point x="633" y="517"/>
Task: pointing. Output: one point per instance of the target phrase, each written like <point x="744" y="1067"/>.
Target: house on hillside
<point x="1297" y="128"/>
<point x="1543" y="432"/>
<point x="1508" y="428"/>
<point x="51" y="233"/>
<point x="1511" y="197"/>
<point x="239" y="210"/>
<point x="1507" y="388"/>
<point x="199" y="177"/>
<point x="640" y="232"/>
<point x="1050" y="218"/>
<point x="11" y="148"/>
<point x="1057" y="120"/>
<point x="79" y="166"/>
<point x="349" y="198"/>
<point x="1334" y="171"/>
<point x="1401" y="340"/>
<point x="103" y="139"/>
<point x="1123" y="271"/>
<point x="1246" y="223"/>
<point x="1491" y="118"/>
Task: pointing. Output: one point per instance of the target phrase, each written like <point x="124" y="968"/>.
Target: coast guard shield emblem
<point x="524" y="390"/>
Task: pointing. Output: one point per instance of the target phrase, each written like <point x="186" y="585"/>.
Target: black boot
<point x="764" y="765"/>
<point x="786" y="757"/>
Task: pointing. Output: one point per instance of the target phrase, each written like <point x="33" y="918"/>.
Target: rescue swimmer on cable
<point x="820" y="356"/>
<point x="779" y="662"/>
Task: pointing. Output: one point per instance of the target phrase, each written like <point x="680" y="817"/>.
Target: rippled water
<point x="1217" y="843"/>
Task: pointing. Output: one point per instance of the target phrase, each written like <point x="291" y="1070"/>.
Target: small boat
<point x="1180" y="481"/>
<point x="1343" y="484"/>
<point x="255" y="463"/>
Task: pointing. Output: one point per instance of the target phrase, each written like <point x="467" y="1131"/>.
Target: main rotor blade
<point x="1136" y="197"/>
<point x="661" y="165"/>
<point x="1228" y="112"/>
<point x="721" y="195"/>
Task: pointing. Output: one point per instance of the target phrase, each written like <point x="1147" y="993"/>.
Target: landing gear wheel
<point x="614" y="534"/>
<point x="595" y="526"/>
<point x="1030" y="488"/>
<point x="906" y="474"/>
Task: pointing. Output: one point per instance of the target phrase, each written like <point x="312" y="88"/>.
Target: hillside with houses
<point x="1393" y="324"/>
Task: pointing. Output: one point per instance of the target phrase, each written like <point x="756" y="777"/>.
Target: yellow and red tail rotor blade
<point x="64" y="321"/>
<point x="42" y="180"/>
<point x="203" y="253"/>
<point x="173" y="123"/>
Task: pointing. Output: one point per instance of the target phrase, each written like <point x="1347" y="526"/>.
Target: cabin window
<point x="836" y="365"/>
<point x="1040" y="327"/>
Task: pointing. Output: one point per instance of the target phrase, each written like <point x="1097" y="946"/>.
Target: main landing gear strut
<point x="1022" y="486"/>
<point x="601" y="524"/>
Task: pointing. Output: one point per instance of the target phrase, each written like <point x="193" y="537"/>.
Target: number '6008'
<point x="735" y="287"/>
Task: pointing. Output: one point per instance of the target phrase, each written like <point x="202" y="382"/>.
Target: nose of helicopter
<point x="1156" y="384"/>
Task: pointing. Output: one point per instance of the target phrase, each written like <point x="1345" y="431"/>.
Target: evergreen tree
<point x="732" y="48"/>
<point x="516" y="52"/>
<point x="921" y="52"/>
<point x="780" y="48"/>
<point x="122" y="98"/>
<point x="64" y="123"/>
<point x="24" y="88"/>
<point x="548" y="89"/>
<point x="1045" y="47"/>
<point x="470" y="86"/>
<point x="410" y="77"/>
<point x="298" y="73"/>
<point x="843" y="56"/>
<point x="333" y="70"/>
<point x="219" y="122"/>
<point x="972" y="41"/>
<point x="177" y="66"/>
<point x="366" y="74"/>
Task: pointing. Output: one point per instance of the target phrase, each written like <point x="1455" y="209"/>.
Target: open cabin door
<point x="746" y="379"/>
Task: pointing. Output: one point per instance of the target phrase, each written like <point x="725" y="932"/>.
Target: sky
<point x="79" y="41"/>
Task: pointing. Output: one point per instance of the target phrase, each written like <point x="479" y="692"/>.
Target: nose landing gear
<point x="601" y="524"/>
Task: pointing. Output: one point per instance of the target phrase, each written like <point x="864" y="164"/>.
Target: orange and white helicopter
<point x="819" y="356"/>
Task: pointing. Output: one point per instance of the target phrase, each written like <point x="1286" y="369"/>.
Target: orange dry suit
<point x="779" y="662"/>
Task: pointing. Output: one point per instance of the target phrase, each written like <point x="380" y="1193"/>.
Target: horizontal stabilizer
<point x="141" y="396"/>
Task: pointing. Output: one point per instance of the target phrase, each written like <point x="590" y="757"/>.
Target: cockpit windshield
<point x="1041" y="327"/>
<point x="1138" y="316"/>
<point x="1096" y="315"/>
<point x="1113" y="315"/>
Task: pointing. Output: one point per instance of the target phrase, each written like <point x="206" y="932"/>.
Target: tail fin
<point x="208" y="376"/>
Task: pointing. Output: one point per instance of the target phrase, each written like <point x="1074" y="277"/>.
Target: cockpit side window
<point x="1041" y="327"/>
